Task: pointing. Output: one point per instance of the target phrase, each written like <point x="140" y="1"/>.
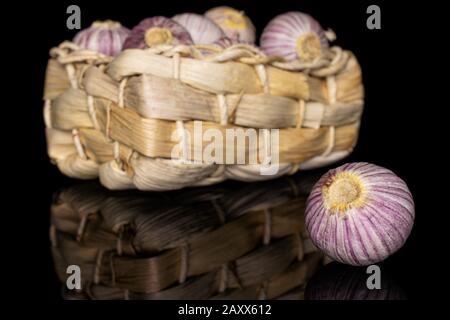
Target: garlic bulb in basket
<point x="294" y="35"/>
<point x="157" y="30"/>
<point x="359" y="213"/>
<point x="236" y="25"/>
<point x="105" y="37"/>
<point x="201" y="29"/>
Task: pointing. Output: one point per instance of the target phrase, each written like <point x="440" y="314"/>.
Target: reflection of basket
<point x="126" y="119"/>
<point x="228" y="242"/>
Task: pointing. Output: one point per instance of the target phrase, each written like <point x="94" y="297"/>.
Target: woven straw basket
<point x="126" y="119"/>
<point x="244" y="242"/>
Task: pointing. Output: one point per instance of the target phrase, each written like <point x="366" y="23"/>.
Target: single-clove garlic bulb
<point x="236" y="25"/>
<point x="359" y="213"/>
<point x="294" y="35"/>
<point x="201" y="29"/>
<point x="105" y="37"/>
<point x="157" y="30"/>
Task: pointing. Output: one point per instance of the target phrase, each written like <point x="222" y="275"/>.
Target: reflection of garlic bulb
<point x="337" y="281"/>
<point x="294" y="35"/>
<point x="105" y="37"/>
<point x="157" y="30"/>
<point x="236" y="25"/>
<point x="201" y="29"/>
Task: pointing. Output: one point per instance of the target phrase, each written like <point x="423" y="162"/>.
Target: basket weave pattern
<point x="122" y="119"/>
<point x="244" y="243"/>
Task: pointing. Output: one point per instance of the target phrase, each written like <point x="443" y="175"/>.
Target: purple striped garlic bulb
<point x="155" y="31"/>
<point x="236" y="25"/>
<point x="105" y="37"/>
<point x="201" y="29"/>
<point x="294" y="35"/>
<point x="359" y="213"/>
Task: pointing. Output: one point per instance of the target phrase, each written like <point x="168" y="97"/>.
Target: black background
<point x="391" y="132"/>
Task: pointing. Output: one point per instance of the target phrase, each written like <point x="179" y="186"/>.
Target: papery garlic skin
<point x="294" y="36"/>
<point x="359" y="213"/>
<point x="225" y="42"/>
<point x="234" y="23"/>
<point x="201" y="29"/>
<point x="106" y="37"/>
<point x="156" y="31"/>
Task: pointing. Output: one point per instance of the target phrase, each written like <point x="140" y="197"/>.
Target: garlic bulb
<point x="157" y="30"/>
<point x="359" y="213"/>
<point x="201" y="29"/>
<point x="106" y="37"/>
<point x="294" y="35"/>
<point x="236" y="25"/>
